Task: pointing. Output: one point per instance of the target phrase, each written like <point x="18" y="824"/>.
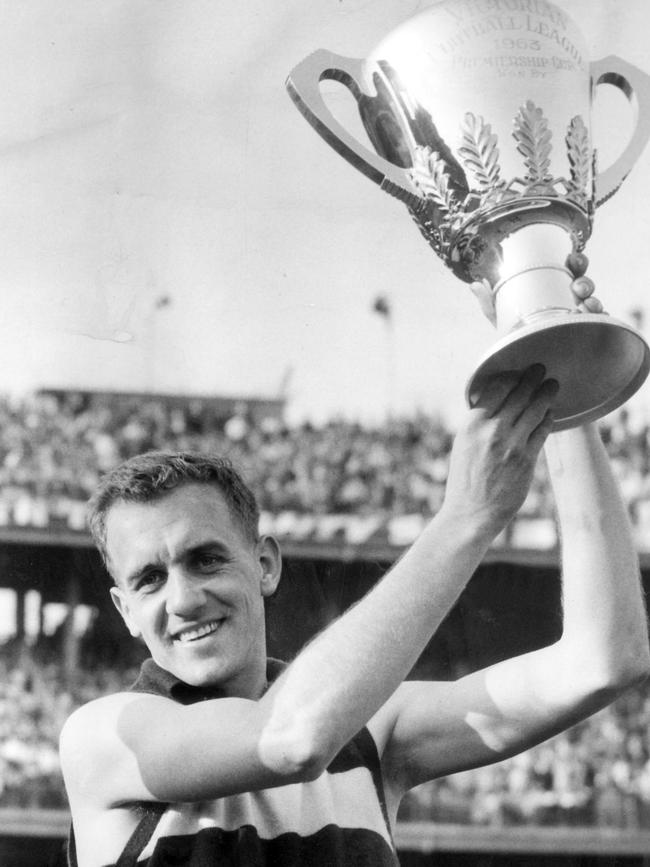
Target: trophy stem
<point x="539" y="290"/>
<point x="533" y="279"/>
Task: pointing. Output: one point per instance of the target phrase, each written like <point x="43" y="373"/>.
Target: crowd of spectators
<point x="35" y="700"/>
<point x="596" y="774"/>
<point x="53" y="449"/>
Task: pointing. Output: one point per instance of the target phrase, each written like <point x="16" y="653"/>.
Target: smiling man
<point x="187" y="574"/>
<point x="218" y="755"/>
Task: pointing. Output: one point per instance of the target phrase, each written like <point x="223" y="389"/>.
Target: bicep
<point x="146" y="748"/>
<point x="431" y="729"/>
<point x="427" y="730"/>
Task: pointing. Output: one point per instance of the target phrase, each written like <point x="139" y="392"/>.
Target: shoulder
<point x="92" y="719"/>
<point x="93" y="743"/>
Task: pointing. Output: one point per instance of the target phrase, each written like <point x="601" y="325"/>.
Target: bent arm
<point x="133" y="747"/>
<point x="604" y="644"/>
<point x="349" y="671"/>
<point x="440" y="728"/>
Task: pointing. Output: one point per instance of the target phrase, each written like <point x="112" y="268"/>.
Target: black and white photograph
<point x="324" y="433"/>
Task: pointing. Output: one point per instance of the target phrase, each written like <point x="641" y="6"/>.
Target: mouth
<point x="196" y="633"/>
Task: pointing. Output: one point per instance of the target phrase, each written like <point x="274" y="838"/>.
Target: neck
<point x="250" y="684"/>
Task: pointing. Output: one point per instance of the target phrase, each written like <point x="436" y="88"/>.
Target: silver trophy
<point x="479" y="115"/>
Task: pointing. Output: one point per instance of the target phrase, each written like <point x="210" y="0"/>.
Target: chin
<point x="207" y="674"/>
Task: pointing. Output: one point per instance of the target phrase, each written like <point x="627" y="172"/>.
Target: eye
<point x="150" y="580"/>
<point x="208" y="561"/>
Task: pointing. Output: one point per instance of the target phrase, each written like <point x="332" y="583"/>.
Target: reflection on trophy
<point x="479" y="115"/>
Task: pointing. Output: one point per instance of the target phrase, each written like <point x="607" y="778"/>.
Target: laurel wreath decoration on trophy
<point x="580" y="160"/>
<point x="533" y="139"/>
<point x="447" y="214"/>
<point x="480" y="154"/>
<point x="432" y="178"/>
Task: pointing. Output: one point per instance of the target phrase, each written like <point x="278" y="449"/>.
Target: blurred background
<point x="185" y="263"/>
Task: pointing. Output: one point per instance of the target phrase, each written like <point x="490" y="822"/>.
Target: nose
<point x="184" y="594"/>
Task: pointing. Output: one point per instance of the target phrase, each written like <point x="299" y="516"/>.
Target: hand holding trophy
<point x="479" y="113"/>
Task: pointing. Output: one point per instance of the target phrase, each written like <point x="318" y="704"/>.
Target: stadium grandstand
<point x="344" y="500"/>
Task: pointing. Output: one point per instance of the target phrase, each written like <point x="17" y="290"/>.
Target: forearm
<point x="604" y="645"/>
<point x="604" y="614"/>
<point x="346" y="674"/>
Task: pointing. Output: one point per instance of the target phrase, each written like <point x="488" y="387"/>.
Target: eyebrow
<point x="209" y="545"/>
<point x="133" y="577"/>
<point x="213" y="546"/>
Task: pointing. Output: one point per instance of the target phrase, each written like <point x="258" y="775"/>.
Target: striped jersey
<point x="337" y="820"/>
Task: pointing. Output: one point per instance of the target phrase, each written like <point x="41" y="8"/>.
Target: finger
<point x="539" y="435"/>
<point x="492" y="392"/>
<point x="583" y="287"/>
<point x="539" y="404"/>
<point x="520" y="397"/>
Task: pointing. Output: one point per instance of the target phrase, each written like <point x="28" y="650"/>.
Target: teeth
<point x="199" y="632"/>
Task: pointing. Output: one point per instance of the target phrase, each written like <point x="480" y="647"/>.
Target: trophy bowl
<point x="479" y="119"/>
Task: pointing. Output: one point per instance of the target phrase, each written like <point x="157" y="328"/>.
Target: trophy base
<point x="598" y="361"/>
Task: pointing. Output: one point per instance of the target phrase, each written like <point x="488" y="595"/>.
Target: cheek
<point x="239" y="589"/>
<point x="146" y="618"/>
<point x="248" y="602"/>
<point x="257" y="608"/>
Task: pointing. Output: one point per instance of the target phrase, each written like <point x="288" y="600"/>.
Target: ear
<point x="119" y="601"/>
<point x="270" y="560"/>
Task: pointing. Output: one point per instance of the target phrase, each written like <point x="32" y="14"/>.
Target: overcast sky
<point x="169" y="222"/>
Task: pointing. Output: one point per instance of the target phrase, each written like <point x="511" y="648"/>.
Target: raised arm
<point x="363" y="657"/>
<point x="141" y="748"/>
<point x="494" y="713"/>
<point x="605" y="624"/>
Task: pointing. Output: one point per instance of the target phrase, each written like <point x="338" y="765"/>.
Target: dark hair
<point x="151" y="475"/>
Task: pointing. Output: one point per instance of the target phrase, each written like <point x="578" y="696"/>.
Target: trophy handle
<point x="303" y="86"/>
<point x="635" y="84"/>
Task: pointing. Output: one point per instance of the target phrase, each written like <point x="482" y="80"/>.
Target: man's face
<point x="191" y="584"/>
